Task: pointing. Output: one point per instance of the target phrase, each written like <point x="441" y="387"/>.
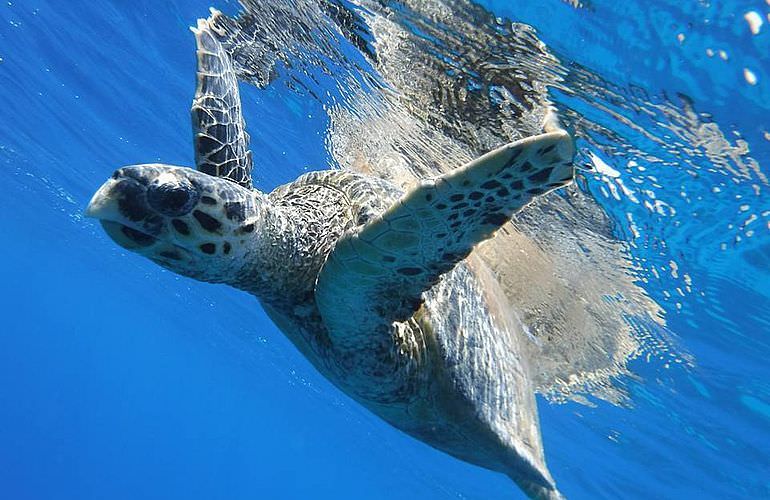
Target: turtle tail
<point x="536" y="484"/>
<point x="537" y="491"/>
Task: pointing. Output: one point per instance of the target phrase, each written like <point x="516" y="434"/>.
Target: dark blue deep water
<point x="119" y="380"/>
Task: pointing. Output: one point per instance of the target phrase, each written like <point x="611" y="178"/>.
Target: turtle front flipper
<point x="220" y="138"/>
<point x="377" y="275"/>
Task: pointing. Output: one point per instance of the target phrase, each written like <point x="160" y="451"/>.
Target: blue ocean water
<point x="121" y="380"/>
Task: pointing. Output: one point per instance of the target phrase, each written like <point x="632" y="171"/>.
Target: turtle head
<point x="194" y="224"/>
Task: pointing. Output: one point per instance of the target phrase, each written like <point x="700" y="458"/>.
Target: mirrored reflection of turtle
<point x="379" y="288"/>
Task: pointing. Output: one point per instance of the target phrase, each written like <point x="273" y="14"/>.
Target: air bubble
<point x="750" y="77"/>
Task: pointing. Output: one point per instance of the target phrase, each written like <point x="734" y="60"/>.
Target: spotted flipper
<point x="379" y="273"/>
<point x="221" y="141"/>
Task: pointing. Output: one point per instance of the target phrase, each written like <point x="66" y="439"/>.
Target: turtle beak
<point x="120" y="207"/>
<point x="103" y="203"/>
<point x="123" y="198"/>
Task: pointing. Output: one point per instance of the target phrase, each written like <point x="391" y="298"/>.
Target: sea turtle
<point x="377" y="287"/>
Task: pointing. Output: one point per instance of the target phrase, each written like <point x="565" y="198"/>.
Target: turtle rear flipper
<point x="379" y="273"/>
<point x="220" y="138"/>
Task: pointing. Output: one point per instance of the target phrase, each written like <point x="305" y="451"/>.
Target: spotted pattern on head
<point x="186" y="221"/>
<point x="207" y="222"/>
<point x="181" y="227"/>
<point x="221" y="216"/>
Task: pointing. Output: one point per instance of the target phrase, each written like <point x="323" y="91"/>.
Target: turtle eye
<point x="172" y="198"/>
